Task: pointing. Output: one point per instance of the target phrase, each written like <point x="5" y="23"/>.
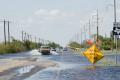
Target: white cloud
<point x="40" y="12"/>
<point x="50" y="13"/>
<point x="30" y="20"/>
<point x="50" y="23"/>
<point x="54" y="12"/>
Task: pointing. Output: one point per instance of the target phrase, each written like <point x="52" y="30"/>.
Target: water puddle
<point x="25" y="69"/>
<point x="51" y="73"/>
<point x="73" y="71"/>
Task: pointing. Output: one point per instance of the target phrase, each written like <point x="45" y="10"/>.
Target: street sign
<point x="116" y="29"/>
<point x="93" y="54"/>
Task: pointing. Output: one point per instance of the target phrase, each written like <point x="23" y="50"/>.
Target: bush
<point x="2" y="48"/>
<point x="12" y="48"/>
<point x="18" y="46"/>
<point x="74" y="45"/>
<point x="106" y="47"/>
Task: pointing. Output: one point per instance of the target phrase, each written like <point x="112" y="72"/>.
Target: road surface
<point x="67" y="65"/>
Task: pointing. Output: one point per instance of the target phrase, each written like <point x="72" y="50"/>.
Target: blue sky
<point x="56" y="20"/>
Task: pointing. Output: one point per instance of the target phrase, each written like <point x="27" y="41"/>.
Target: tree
<point x="53" y="45"/>
<point x="74" y="45"/>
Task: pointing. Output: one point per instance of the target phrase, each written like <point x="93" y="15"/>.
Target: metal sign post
<point x="116" y="47"/>
<point x="116" y="33"/>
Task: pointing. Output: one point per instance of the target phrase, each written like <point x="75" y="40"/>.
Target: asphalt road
<point x="72" y="66"/>
<point x="75" y="67"/>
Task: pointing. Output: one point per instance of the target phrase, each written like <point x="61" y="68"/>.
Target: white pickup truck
<point x="45" y="50"/>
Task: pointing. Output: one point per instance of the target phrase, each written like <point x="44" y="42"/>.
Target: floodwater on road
<point x="70" y="66"/>
<point x="75" y="67"/>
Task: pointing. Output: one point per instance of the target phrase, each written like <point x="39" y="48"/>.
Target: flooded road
<point x="75" y="67"/>
<point x="70" y="66"/>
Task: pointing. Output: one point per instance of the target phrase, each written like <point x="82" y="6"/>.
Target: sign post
<point x="116" y="33"/>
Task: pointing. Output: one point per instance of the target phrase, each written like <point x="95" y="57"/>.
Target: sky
<point x="57" y="20"/>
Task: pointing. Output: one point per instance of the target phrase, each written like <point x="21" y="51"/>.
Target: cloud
<point x="40" y="12"/>
<point x="54" y="12"/>
<point x="52" y="16"/>
<point x="50" y="23"/>
<point x="50" y="13"/>
<point x="30" y="20"/>
<point x="57" y="12"/>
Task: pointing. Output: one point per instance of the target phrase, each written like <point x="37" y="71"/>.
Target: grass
<point x="11" y="48"/>
<point x="16" y="46"/>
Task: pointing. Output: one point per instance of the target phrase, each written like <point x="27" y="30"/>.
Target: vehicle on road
<point x="65" y="49"/>
<point x="45" y="50"/>
<point x="53" y="49"/>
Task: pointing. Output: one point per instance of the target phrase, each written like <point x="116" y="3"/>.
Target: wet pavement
<point x="75" y="67"/>
<point x="71" y="66"/>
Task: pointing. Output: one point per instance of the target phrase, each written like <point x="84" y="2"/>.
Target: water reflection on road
<point x="75" y="67"/>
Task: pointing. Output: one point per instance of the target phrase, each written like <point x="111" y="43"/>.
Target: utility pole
<point x="39" y="44"/>
<point x="115" y="18"/>
<point x="75" y="37"/>
<point x="31" y="38"/>
<point x="35" y="39"/>
<point x="78" y="38"/>
<point x="25" y="34"/>
<point x="39" y="40"/>
<point x="36" y="42"/>
<point x="115" y="15"/>
<point x="115" y="21"/>
<point x="5" y="32"/>
<point x="22" y="36"/>
<point x="85" y="36"/>
<point x="4" y="24"/>
<point x="89" y="29"/>
<point x="8" y="32"/>
<point x="81" y="36"/>
<point x="28" y="37"/>
<point x="84" y="32"/>
<point x="97" y="26"/>
<point x="5" y="39"/>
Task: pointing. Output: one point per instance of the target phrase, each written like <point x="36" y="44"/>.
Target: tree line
<point x="21" y="46"/>
<point x="105" y="43"/>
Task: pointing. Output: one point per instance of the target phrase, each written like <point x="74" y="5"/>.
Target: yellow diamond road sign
<point x="93" y="54"/>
